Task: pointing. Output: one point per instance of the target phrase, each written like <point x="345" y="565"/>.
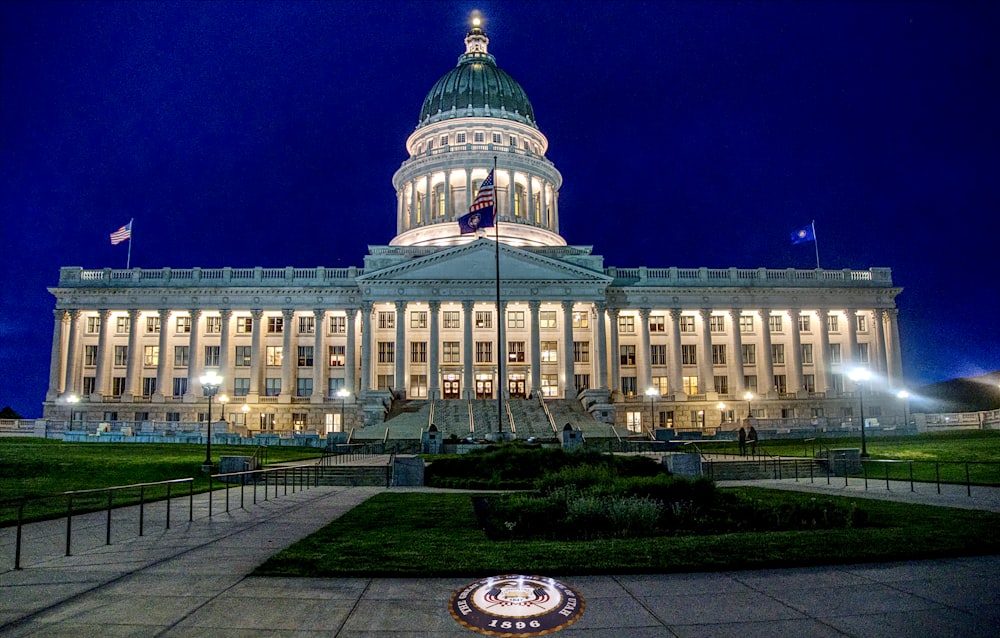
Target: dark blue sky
<point x="688" y="134"/>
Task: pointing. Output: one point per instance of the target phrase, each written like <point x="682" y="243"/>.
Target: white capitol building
<point x="416" y="331"/>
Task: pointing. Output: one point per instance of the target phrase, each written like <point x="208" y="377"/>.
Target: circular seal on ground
<point x="516" y="605"/>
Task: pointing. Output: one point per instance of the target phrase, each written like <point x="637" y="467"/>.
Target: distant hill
<point x="968" y="394"/>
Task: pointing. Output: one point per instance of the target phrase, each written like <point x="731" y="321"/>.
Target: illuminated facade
<point x="637" y="346"/>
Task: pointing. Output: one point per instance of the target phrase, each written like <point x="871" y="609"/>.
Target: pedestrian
<point x="743" y="441"/>
<point x="752" y="440"/>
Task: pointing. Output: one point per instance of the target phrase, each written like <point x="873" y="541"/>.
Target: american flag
<point x="123" y="233"/>
<point x="484" y="197"/>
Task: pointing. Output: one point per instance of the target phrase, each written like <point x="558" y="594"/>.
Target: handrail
<point x="510" y="417"/>
<point x="430" y="415"/>
<point x="548" y="414"/>
<point x="472" y="418"/>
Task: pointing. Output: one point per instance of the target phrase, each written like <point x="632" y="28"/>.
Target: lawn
<point x="436" y="535"/>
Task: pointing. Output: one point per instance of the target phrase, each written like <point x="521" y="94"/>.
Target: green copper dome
<point x="476" y="88"/>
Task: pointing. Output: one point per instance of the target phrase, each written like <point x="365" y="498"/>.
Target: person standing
<point x="752" y="440"/>
<point x="743" y="441"/>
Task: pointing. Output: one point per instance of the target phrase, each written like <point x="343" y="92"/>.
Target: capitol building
<point x="422" y="333"/>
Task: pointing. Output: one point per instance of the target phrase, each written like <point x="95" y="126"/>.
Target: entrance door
<point x="516" y="388"/>
<point x="484" y="388"/>
<point x="452" y="389"/>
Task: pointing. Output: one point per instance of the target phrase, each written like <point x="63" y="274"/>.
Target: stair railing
<point x="548" y="415"/>
<point x="510" y="417"/>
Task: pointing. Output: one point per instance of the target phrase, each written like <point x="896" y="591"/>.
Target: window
<point x="333" y="386"/>
<point x="337" y="356"/>
<point x="861" y="323"/>
<point x="180" y="386"/>
<point x="717" y="323"/>
<point x="307" y="325"/>
<point x="384" y="382"/>
<point x="484" y="352"/>
<point x="484" y="319"/>
<point x="418" y="352"/>
<point x="272" y="355"/>
<point x="451" y="319"/>
<point x="450" y="352"/>
<point x="386" y="352"/>
<point x="581" y="382"/>
<point x="581" y="319"/>
<point x="832" y="324"/>
<point x="213" y="325"/>
<point x="275" y="325"/>
<point x="121" y="355"/>
<point x="837" y="382"/>
<point x="497" y="138"/>
<point x="121" y="325"/>
<point x="212" y="356"/>
<point x="304" y="387"/>
<point x="418" y="387"/>
<point x="629" y="386"/>
<point x="658" y="354"/>
<point x="386" y="320"/>
<point x="244" y="325"/>
<point x="117" y="386"/>
<point x="746" y="324"/>
<point x="722" y="384"/>
<point x="690" y="385"/>
<point x="266" y="421"/>
<point x="778" y="353"/>
<point x="93" y="325"/>
<point x="626" y="324"/>
<point x="148" y="386"/>
<point x="719" y="354"/>
<point x="626" y="354"/>
<point x="633" y="420"/>
<point x="444" y="140"/>
<point x="460" y="138"/>
<point x="90" y="355"/>
<point x="515" y="351"/>
<point x="661" y="385"/>
<point x="834" y="353"/>
<point x="150" y="355"/>
<point x="515" y="319"/>
<point x="152" y="325"/>
<point x="418" y="319"/>
<point x="547" y="319"/>
<point x="550" y="385"/>
<point x="305" y="356"/>
<point x="689" y="355"/>
<point x="750" y="382"/>
<point x="183" y="325"/>
<point x="272" y="386"/>
<point x="687" y="323"/>
<point x="550" y="351"/>
<point x="181" y="356"/>
<point x="241" y="386"/>
<point x="299" y="418"/>
<point x="780" y="383"/>
<point x="657" y="323"/>
<point x="338" y="325"/>
<point x="242" y="359"/>
<point x="89" y="385"/>
<point x="478" y="137"/>
<point x="774" y="323"/>
<point x="804" y="323"/>
<point x="807" y="353"/>
<point x="581" y="352"/>
<point x="430" y="144"/>
<point x="809" y="383"/>
<point x="862" y="353"/>
<point x="749" y="354"/>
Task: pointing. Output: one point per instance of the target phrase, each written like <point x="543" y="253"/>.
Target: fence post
<point x="227" y="494"/>
<point x="168" y="505"/>
<point x="107" y="532"/>
<point x="888" y="489"/>
<point x="191" y="500"/>
<point x="864" y="469"/>
<point x="210" y="494"/>
<point x="243" y="484"/>
<point x="911" y="476"/>
<point x="142" y="507"/>
<point x="69" y="522"/>
<point x="968" y="481"/>
<point x="17" y="542"/>
<point x="937" y="475"/>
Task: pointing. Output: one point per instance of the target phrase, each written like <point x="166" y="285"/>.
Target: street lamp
<point x="722" y="412"/>
<point x="749" y="397"/>
<point x="859" y="376"/>
<point x="223" y="400"/>
<point x="343" y="394"/>
<point x="210" y="383"/>
<point x="652" y="393"/>
<point x="72" y="400"/>
<point x="245" y="410"/>
<point x="904" y="396"/>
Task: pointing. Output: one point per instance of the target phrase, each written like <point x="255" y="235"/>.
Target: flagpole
<point x="501" y="351"/>
<point x="815" y="243"/>
<point x="128" y="260"/>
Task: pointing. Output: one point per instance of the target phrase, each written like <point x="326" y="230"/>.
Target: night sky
<point x="688" y="134"/>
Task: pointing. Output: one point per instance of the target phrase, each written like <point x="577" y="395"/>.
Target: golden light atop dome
<point x="476" y="21"/>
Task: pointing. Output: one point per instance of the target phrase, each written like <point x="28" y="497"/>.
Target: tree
<point x="9" y="413"/>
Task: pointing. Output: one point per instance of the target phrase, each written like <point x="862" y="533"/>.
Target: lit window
<point x="386" y="320"/>
<point x="687" y="323"/>
<point x="338" y="325"/>
<point x="515" y="319"/>
<point x="244" y="325"/>
<point x="418" y="352"/>
<point x="550" y="351"/>
<point x="152" y="325"/>
<point x="515" y="351"/>
<point x="451" y="319"/>
<point x="307" y="325"/>
<point x="690" y="385"/>
<point x="746" y="324"/>
<point x="150" y="355"/>
<point x="273" y="355"/>
<point x="717" y="323"/>
<point x="657" y="323"/>
<point x="626" y="324"/>
<point x="336" y="354"/>
<point x="183" y="325"/>
<point x="418" y="319"/>
<point x="803" y="323"/>
<point x="484" y="352"/>
<point x="121" y="325"/>
<point x="832" y="324"/>
<point x="213" y="324"/>
<point x="550" y="386"/>
<point x="581" y="319"/>
<point x="93" y="325"/>
<point x="275" y="325"/>
<point x="450" y="352"/>
<point x="774" y="323"/>
<point x="484" y="319"/>
<point x="547" y="319"/>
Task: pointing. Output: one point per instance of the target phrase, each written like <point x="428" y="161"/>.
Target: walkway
<point x="192" y="580"/>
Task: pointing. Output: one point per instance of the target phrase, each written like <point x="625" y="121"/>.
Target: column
<point x="569" y="387"/>
<point x="320" y="358"/>
<point x="705" y="362"/>
<point x="895" y="363"/>
<point x="449" y="211"/>
<point x="289" y="356"/>
<point x="794" y="365"/>
<point x="643" y="367"/>
<point x="880" y="353"/>
<point x="530" y="207"/>
<point x="227" y="371"/>
<point x="510" y="194"/>
<point x="100" y="382"/>
<point x="162" y="359"/>
<point x="256" y="367"/>
<point x="72" y="358"/>
<point x="536" y="348"/>
<point x="674" y="356"/>
<point x="736" y="385"/>
<point x="366" y="346"/>
<point x="766" y="385"/>
<point x="616" y="359"/>
<point x="350" y="352"/>
<point x="468" y="189"/>
<point x="56" y="377"/>
<point x="467" y="377"/>
<point x="134" y="356"/>
<point x="399" y="373"/>
<point x="850" y="357"/>
<point x="195" y="359"/>
<point x="601" y="347"/>
<point x="433" y="354"/>
<point x="822" y="358"/>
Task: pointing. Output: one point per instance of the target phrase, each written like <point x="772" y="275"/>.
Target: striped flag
<point x="123" y="233"/>
<point x="482" y="211"/>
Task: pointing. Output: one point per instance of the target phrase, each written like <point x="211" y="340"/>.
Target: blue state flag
<point x="804" y="234"/>
<point x="482" y="211"/>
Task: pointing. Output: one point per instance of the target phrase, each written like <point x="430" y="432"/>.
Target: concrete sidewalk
<point x="191" y="580"/>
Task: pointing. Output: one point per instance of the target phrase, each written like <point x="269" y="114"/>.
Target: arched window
<point x="439" y="200"/>
<point x="519" y="200"/>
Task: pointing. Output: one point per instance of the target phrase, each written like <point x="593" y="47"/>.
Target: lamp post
<point x="652" y="393"/>
<point x="701" y="413"/>
<point x="71" y="400"/>
<point x="860" y="376"/>
<point x="223" y="400"/>
<point x="343" y="394"/>
<point x="210" y="383"/>
<point x="749" y="397"/>
<point x="722" y="413"/>
<point x="904" y="396"/>
<point x="245" y="410"/>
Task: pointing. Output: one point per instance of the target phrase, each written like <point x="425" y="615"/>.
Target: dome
<point x="476" y="87"/>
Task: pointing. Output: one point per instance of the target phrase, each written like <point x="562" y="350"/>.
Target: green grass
<point x="436" y="535"/>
